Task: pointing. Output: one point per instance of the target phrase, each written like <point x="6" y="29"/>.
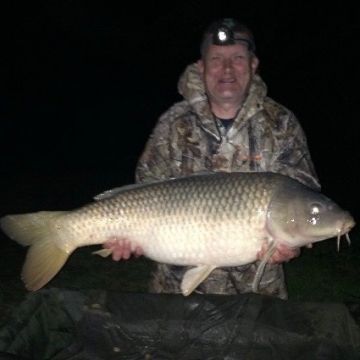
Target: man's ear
<point x="254" y="64"/>
<point x="200" y="66"/>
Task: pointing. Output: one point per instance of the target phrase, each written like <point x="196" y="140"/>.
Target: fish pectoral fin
<point x="260" y="270"/>
<point x="193" y="277"/>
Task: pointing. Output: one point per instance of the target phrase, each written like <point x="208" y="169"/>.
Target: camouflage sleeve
<point x="154" y="163"/>
<point x="293" y="156"/>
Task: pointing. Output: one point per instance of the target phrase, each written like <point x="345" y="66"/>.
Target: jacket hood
<point x="191" y="87"/>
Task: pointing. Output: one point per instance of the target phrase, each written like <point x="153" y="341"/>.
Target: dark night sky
<point x="83" y="82"/>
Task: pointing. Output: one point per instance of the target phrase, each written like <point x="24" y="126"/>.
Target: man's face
<point x="227" y="71"/>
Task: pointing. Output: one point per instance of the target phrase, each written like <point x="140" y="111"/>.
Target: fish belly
<point x="193" y="244"/>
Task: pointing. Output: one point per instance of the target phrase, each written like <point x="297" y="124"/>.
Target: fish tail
<point x="44" y="258"/>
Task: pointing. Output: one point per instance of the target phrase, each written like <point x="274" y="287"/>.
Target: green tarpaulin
<point x="95" y="324"/>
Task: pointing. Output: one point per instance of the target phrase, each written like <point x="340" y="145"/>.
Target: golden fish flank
<point x="207" y="221"/>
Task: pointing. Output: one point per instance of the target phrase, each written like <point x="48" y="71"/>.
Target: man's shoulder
<point x="177" y="110"/>
<point x="277" y="111"/>
<point x="270" y="103"/>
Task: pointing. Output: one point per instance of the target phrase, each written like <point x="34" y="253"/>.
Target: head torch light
<point x="223" y="35"/>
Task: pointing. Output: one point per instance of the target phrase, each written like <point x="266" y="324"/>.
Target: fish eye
<point x="316" y="209"/>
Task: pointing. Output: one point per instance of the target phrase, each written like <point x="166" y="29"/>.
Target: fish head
<point x="299" y="215"/>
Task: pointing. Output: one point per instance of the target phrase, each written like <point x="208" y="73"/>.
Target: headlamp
<point x="227" y="32"/>
<point x="226" y="36"/>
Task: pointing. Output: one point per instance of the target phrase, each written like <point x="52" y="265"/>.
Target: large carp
<point x="207" y="220"/>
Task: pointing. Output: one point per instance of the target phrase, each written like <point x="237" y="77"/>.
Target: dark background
<point x="83" y="82"/>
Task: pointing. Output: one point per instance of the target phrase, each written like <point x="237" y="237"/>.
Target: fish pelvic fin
<point x="103" y="252"/>
<point x="44" y="258"/>
<point x="193" y="277"/>
<point x="260" y="270"/>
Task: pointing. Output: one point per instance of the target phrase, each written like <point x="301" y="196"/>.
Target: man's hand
<point x="122" y="249"/>
<point x="281" y="254"/>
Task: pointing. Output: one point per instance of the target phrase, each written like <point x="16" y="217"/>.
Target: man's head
<point x="228" y="63"/>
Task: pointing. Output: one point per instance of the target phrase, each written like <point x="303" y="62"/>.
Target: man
<point x="225" y="123"/>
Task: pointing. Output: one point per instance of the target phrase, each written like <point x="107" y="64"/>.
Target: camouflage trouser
<point x="229" y="281"/>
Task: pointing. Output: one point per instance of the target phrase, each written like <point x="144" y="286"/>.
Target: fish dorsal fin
<point x="193" y="277"/>
<point x="112" y="192"/>
<point x="260" y="270"/>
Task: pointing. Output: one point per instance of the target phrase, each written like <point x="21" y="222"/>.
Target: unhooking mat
<point x="96" y="324"/>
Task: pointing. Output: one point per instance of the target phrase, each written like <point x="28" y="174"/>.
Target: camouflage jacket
<point x="265" y="136"/>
